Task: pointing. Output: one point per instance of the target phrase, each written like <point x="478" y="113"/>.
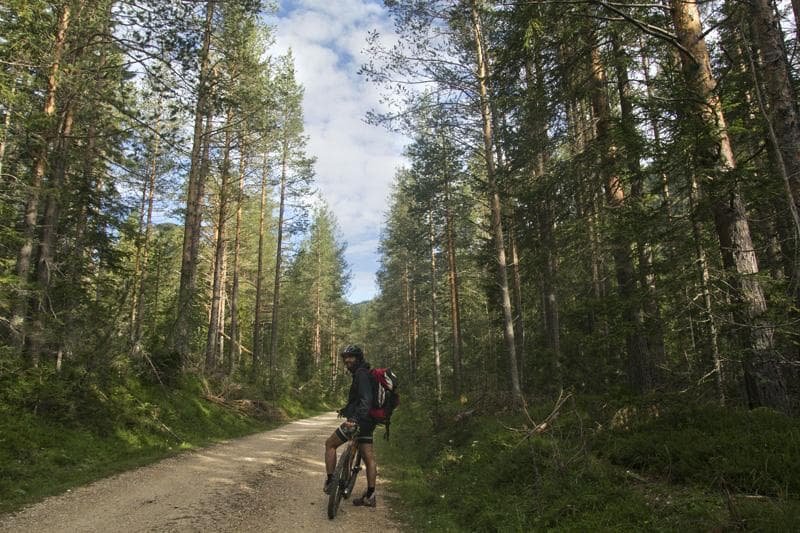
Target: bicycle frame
<point x="347" y="468"/>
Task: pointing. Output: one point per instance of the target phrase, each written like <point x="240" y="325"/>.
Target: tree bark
<point x="414" y="335"/>
<point x="519" y="315"/>
<point x="30" y="220"/>
<point x="6" y="130"/>
<point x="235" y="346"/>
<point x="334" y="355"/>
<point x="260" y="272"/>
<point x="783" y="114"/>
<point x="640" y="364"/>
<point x="495" y="204"/>
<point x="534" y="77"/>
<point x="410" y="319"/>
<point x="434" y="312"/>
<point x="649" y="313"/>
<point x="796" y="11"/>
<point x="712" y="347"/>
<point x="194" y="196"/>
<point x="764" y="381"/>
<point x="276" y="299"/>
<point x="549" y="283"/>
<point x="45" y="263"/>
<point x="144" y="246"/>
<point x="455" y="301"/>
<point x="214" y="324"/>
<point x="317" y="342"/>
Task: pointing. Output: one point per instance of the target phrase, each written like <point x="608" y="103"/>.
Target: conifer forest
<point x="599" y="198"/>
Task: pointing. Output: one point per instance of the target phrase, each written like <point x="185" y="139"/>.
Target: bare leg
<point x="372" y="467"/>
<point x="331" y="444"/>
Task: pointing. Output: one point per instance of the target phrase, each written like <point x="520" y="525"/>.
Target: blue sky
<point x="355" y="161"/>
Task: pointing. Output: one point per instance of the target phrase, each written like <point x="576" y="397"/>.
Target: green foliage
<point x="58" y="432"/>
<point x="477" y="474"/>
<point x="752" y="452"/>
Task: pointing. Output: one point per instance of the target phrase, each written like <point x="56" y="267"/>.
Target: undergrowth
<point x="669" y="468"/>
<point x="57" y="432"/>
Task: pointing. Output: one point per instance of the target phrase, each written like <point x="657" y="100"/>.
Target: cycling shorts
<point x="366" y="428"/>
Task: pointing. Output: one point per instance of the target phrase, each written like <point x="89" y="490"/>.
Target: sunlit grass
<point x="54" y="436"/>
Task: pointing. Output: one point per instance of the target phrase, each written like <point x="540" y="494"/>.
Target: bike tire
<point x="341" y="479"/>
<point x="351" y="482"/>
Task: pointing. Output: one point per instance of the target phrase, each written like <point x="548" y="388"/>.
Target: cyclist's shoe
<point x="365" y="501"/>
<point x="326" y="488"/>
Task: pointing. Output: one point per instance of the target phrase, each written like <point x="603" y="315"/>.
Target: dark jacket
<point x="360" y="397"/>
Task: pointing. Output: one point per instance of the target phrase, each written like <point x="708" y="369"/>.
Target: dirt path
<point x="271" y="481"/>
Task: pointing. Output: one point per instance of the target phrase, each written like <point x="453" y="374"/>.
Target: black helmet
<point x="352" y="349"/>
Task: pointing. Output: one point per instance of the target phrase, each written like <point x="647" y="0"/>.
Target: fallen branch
<point x="636" y="476"/>
<point x="460" y="417"/>
<point x="242" y="348"/>
<point x="545" y="424"/>
<point x="219" y="400"/>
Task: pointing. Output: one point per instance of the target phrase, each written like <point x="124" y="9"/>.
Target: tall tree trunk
<point x="317" y="342"/>
<point x="260" y="272"/>
<point x="414" y="335"/>
<point x="764" y="381"/>
<point x="585" y="210"/>
<point x="410" y="319"/>
<point x="222" y="304"/>
<point x="712" y="347"/>
<point x="434" y="312"/>
<point x="45" y="264"/>
<point x="649" y="321"/>
<point x="137" y="265"/>
<point x="276" y="293"/>
<point x="640" y="364"/>
<point x="6" y="130"/>
<point x="796" y="11"/>
<point x="235" y="346"/>
<point x="215" y="321"/>
<point x="549" y="282"/>
<point x="534" y="77"/>
<point x="334" y="355"/>
<point x="783" y="117"/>
<point x="31" y="217"/>
<point x="194" y="195"/>
<point x="494" y="203"/>
<point x="652" y="118"/>
<point x="143" y="249"/>
<point x="455" y="301"/>
<point x="519" y="315"/>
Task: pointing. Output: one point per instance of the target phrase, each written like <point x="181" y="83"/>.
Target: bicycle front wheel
<point x="354" y="468"/>
<point x="340" y="482"/>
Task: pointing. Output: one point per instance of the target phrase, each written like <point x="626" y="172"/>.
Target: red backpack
<point x="386" y="397"/>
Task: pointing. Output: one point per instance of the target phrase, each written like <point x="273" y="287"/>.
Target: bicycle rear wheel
<point x="340" y="482"/>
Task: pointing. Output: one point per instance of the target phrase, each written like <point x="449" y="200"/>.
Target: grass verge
<point x="55" y="435"/>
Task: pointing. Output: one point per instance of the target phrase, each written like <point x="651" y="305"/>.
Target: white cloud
<point x="355" y="161"/>
<point x="364" y="286"/>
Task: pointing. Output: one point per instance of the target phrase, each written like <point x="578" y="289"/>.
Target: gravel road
<point x="270" y="481"/>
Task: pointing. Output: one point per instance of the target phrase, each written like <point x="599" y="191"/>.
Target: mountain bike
<point x="345" y="474"/>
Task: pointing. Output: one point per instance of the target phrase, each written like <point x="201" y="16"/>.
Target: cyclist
<point x="357" y="416"/>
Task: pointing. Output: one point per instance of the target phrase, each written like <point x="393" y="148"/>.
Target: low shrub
<point x="485" y="472"/>
<point x="754" y="451"/>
